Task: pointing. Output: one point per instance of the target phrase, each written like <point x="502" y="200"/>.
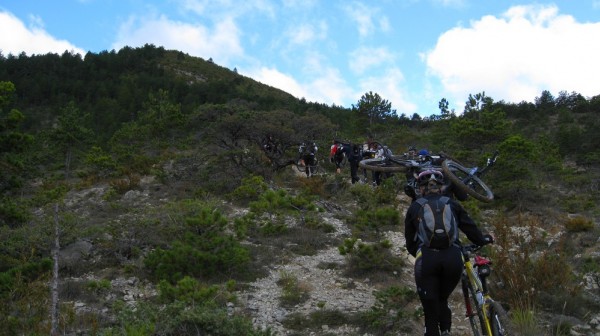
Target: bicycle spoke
<point x="499" y="320"/>
<point x="474" y="310"/>
<point x="463" y="180"/>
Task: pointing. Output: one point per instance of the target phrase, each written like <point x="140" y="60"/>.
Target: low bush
<point x="579" y="224"/>
<point x="206" y="250"/>
<point x="389" y="315"/>
<point x="293" y="291"/>
<point x="366" y="257"/>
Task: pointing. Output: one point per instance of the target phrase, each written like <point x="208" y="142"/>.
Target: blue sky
<point x="411" y="52"/>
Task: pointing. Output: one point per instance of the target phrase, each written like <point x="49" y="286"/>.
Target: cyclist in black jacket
<point x="354" y="158"/>
<point x="438" y="271"/>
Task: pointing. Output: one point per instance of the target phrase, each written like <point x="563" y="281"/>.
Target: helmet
<point x="423" y="152"/>
<point x="412" y="149"/>
<point x="430" y="175"/>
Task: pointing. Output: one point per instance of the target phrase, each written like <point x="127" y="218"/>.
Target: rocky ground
<point x="327" y="287"/>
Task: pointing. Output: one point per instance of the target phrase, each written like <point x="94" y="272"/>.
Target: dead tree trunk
<point x="54" y="284"/>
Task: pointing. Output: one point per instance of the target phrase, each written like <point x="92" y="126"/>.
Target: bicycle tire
<point x="344" y="162"/>
<point x="499" y="320"/>
<point x="474" y="187"/>
<point x="386" y="166"/>
<point x="314" y="169"/>
<point x="476" y="319"/>
<point x="302" y="168"/>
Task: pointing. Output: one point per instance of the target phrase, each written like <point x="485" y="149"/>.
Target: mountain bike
<point x="486" y="316"/>
<point x="466" y="179"/>
<point x="469" y="179"/>
<point x="308" y="166"/>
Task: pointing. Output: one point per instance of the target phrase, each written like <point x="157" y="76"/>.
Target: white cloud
<point x="367" y="18"/>
<point x="226" y="8"/>
<point x="306" y="33"/>
<point x="364" y="58"/>
<point x="275" y="78"/>
<point x="17" y="38"/>
<point x="517" y="56"/>
<point x="363" y="15"/>
<point x="327" y="88"/>
<point x="299" y="3"/>
<point x="451" y="3"/>
<point x="389" y="87"/>
<point x="221" y="43"/>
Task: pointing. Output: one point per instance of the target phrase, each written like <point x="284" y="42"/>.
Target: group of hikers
<point x="431" y="225"/>
<point x="343" y="151"/>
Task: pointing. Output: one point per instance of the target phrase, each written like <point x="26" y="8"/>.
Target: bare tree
<point x="54" y="284"/>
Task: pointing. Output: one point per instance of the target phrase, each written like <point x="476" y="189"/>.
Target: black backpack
<point x="438" y="228"/>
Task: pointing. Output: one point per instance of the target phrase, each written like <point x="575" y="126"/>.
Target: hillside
<point x="173" y="220"/>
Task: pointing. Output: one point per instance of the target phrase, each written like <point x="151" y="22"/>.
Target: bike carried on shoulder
<point x="307" y="161"/>
<point x="486" y="316"/>
<point x="466" y="179"/>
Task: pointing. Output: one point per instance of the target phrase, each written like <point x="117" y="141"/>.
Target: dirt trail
<point x="329" y="288"/>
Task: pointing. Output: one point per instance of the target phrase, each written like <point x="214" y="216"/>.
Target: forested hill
<point x="134" y="103"/>
<point x="71" y="123"/>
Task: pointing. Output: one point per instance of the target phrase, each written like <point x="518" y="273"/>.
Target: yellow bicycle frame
<point x="476" y="283"/>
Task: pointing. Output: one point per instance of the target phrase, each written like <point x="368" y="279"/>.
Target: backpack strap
<point x="446" y="200"/>
<point x="422" y="201"/>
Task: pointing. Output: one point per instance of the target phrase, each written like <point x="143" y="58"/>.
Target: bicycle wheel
<point x="500" y="322"/>
<point x="314" y="167"/>
<point x="470" y="184"/>
<point x="386" y="166"/>
<point x="344" y="162"/>
<point x="300" y="165"/>
<point x="474" y="309"/>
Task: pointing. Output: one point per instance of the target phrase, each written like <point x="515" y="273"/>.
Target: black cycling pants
<point x="354" y="171"/>
<point x="437" y="272"/>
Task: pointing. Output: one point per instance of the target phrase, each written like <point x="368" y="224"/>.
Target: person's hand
<point x="489" y="239"/>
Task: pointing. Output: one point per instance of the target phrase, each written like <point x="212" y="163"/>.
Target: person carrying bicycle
<point x="438" y="260"/>
<point x="353" y="159"/>
<point x="337" y="153"/>
<point x="308" y="151"/>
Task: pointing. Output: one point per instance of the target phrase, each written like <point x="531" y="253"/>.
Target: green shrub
<point x="26" y="272"/>
<point x="293" y="292"/>
<point x="181" y="318"/>
<point x="191" y="290"/>
<point x="24" y="309"/>
<point x="389" y="313"/>
<point x="101" y="162"/>
<point x="578" y="203"/>
<point x="250" y="189"/>
<point x="12" y="214"/>
<point x="373" y="222"/>
<point x="205" y="251"/>
<point x="98" y="285"/>
<point x="199" y="257"/>
<point x="364" y="258"/>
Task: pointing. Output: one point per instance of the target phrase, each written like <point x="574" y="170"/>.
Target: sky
<point x="412" y="53"/>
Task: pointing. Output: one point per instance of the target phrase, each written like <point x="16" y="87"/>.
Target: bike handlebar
<point x="471" y="248"/>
